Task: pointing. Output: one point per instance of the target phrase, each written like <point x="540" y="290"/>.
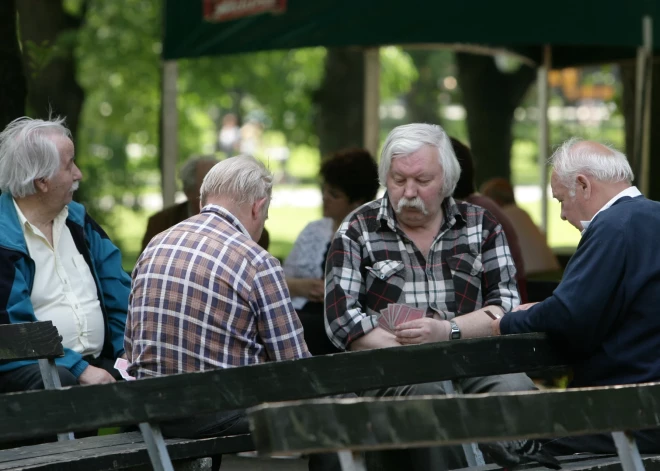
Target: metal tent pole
<point x="169" y="131"/>
<point x="544" y="141"/>
<point x="371" y="100"/>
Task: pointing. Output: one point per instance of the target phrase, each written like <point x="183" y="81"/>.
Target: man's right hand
<point x="94" y="375"/>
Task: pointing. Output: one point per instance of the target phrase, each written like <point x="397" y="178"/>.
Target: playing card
<point x="416" y="313"/>
<point x="384" y="319"/>
<point x="122" y="365"/>
<point x="403" y="314"/>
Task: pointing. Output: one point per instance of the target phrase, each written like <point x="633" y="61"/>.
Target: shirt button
<point x="382" y="277"/>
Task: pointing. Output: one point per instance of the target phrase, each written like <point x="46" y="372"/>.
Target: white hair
<point x="409" y="138"/>
<point x="27" y="153"/>
<point x="242" y="178"/>
<point x="188" y="171"/>
<point x="605" y="164"/>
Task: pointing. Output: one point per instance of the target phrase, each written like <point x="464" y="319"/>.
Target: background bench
<point x="151" y="401"/>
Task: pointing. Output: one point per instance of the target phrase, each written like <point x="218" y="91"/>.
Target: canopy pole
<point x="169" y="131"/>
<point x="371" y="100"/>
<point x="643" y="125"/>
<point x="544" y="141"/>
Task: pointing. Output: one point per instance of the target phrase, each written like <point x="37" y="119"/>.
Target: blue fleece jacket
<point x="605" y="312"/>
<point x="17" y="276"/>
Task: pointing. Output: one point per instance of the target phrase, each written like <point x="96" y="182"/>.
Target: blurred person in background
<point x="350" y="179"/>
<point x="537" y="255"/>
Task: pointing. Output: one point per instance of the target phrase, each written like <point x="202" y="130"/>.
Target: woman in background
<point x="349" y="179"/>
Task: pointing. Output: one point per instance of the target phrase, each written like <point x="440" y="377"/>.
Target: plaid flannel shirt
<point x="206" y="296"/>
<point x="371" y="264"/>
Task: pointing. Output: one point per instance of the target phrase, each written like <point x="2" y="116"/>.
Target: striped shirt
<point x="371" y="264"/>
<point x="206" y="296"/>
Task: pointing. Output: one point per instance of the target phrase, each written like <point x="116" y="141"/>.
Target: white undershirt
<point x="63" y="290"/>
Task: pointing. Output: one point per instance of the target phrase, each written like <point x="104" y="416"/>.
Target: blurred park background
<point x="99" y="63"/>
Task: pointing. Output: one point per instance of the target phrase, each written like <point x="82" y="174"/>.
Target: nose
<point x="77" y="175"/>
<point x="410" y="190"/>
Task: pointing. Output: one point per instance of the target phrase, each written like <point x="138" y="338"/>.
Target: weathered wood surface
<point x="29" y="341"/>
<point x="112" y="452"/>
<point x="578" y="462"/>
<point x="45" y="412"/>
<point x="324" y="425"/>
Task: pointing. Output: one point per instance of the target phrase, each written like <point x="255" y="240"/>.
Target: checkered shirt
<point x="371" y="263"/>
<point x="206" y="296"/>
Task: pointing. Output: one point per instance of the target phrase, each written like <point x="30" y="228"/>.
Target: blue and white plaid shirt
<point x="206" y="296"/>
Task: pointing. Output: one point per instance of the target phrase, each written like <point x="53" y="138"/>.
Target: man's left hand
<point x="424" y="330"/>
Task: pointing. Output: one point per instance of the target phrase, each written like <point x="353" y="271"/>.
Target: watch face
<point x="455" y="331"/>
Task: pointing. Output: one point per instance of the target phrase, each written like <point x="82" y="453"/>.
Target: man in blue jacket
<point x="56" y="263"/>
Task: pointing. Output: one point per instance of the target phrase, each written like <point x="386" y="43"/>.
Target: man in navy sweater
<point x="605" y="310"/>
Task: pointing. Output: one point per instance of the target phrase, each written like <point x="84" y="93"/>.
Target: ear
<point x="257" y="208"/>
<point x="583" y="185"/>
<point x="41" y="184"/>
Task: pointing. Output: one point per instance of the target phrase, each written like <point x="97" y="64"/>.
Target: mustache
<point x="75" y="186"/>
<point x="415" y="203"/>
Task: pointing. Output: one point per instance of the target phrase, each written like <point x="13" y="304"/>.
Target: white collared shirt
<point x="64" y="290"/>
<point x="630" y="191"/>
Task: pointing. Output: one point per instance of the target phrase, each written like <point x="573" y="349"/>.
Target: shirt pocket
<point x="384" y="269"/>
<point x="466" y="273"/>
<point x="384" y="284"/>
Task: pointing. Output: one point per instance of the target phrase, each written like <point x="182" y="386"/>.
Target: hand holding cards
<point x="122" y="365"/>
<point x="396" y="314"/>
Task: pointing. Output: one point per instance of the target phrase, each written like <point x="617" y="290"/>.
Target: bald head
<point x="591" y="159"/>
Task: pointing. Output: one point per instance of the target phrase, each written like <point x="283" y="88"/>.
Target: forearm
<point x="377" y="338"/>
<point x="296" y="288"/>
<point x="478" y="323"/>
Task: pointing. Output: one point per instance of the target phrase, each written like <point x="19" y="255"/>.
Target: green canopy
<point x="580" y="31"/>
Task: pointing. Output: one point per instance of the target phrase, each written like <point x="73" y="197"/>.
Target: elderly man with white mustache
<point x="56" y="263"/>
<point x="419" y="247"/>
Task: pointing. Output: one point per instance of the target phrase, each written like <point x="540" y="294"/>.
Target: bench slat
<point x="325" y="425"/>
<point x="29" y="341"/>
<point x="111" y="452"/>
<point x="177" y="396"/>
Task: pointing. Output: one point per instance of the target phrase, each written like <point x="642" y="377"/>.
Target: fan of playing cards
<point x="396" y="314"/>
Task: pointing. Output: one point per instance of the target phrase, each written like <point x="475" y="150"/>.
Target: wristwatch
<point x="455" y="332"/>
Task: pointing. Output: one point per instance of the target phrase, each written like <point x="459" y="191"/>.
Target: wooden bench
<point x="151" y="401"/>
<point x="335" y="425"/>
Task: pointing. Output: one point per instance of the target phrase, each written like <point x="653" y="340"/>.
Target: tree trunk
<point x="49" y="61"/>
<point x="422" y="104"/>
<point x="339" y="101"/>
<point x="12" y="81"/>
<point x="628" y="77"/>
<point x="490" y="97"/>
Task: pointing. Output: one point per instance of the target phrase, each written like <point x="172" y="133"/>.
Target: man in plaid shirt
<point x="419" y="247"/>
<point x="206" y="296"/>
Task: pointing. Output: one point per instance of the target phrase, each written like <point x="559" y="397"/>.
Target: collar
<point x="630" y="191"/>
<point x="25" y="223"/>
<point x="387" y="216"/>
<point x="229" y="217"/>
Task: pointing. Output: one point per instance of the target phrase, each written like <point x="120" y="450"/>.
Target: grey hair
<point x="242" y="178"/>
<point x="28" y="154"/>
<point x="188" y="171"/>
<point x="409" y="138"/>
<point x="607" y="166"/>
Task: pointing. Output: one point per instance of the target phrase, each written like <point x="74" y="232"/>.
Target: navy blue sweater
<point x="606" y="311"/>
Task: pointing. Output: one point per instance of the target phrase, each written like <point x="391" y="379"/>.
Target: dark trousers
<point x="28" y="378"/>
<point x="225" y="423"/>
<point x="648" y="442"/>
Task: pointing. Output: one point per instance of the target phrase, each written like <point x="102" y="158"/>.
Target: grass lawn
<point x="285" y="223"/>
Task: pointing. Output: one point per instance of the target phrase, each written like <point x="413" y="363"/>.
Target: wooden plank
<point x="29" y="341"/>
<point x="41" y="413"/>
<point x="325" y="425"/>
<point x="113" y="452"/>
